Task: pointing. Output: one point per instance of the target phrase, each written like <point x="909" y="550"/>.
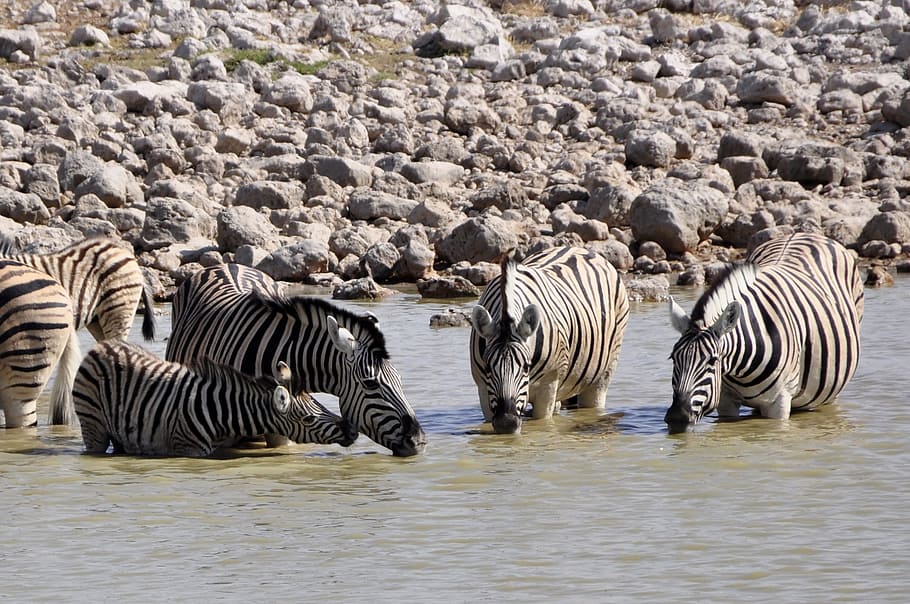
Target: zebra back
<point x="148" y="406"/>
<point x="36" y="336"/>
<point x="104" y="281"/>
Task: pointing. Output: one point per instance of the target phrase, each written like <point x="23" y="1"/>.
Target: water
<point x="592" y="506"/>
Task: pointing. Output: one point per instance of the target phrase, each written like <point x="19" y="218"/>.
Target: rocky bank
<point x="326" y="142"/>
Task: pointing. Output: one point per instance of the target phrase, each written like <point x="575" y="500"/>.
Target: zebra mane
<point x="207" y="368"/>
<point x="736" y="279"/>
<point x="506" y="294"/>
<point x="308" y="305"/>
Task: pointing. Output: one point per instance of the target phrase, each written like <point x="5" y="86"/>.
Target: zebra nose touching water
<point x="127" y="398"/>
<point x="544" y="331"/>
<point x="239" y="316"/>
<point x="778" y="333"/>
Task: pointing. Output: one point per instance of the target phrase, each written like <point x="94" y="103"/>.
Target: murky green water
<point x="588" y="507"/>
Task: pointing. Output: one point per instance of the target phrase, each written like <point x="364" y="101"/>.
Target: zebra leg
<point x="728" y="406"/>
<point x="542" y="399"/>
<point x="779" y="407"/>
<point x="277" y="440"/>
<point x="94" y="439"/>
<point x="94" y="328"/>
<point x="22" y="415"/>
<point x="594" y="397"/>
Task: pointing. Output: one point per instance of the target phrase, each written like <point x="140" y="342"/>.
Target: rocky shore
<point x="340" y="143"/>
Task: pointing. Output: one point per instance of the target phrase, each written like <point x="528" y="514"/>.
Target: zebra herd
<point x="777" y="333"/>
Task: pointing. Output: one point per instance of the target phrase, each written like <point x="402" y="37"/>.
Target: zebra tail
<point x="62" y="411"/>
<point x="148" y="317"/>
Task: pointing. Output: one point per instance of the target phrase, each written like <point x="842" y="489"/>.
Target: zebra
<point x="546" y="331"/>
<point x="37" y="334"/>
<point x="778" y="333"/>
<point x="129" y="399"/>
<point x="104" y="282"/>
<point x="239" y="316"/>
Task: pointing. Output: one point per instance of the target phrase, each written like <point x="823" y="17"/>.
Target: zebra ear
<point x="530" y="321"/>
<point x="283" y="373"/>
<point x="281" y="399"/>
<point x="678" y="317"/>
<point x="343" y="339"/>
<point x="483" y="322"/>
<point x="727" y="319"/>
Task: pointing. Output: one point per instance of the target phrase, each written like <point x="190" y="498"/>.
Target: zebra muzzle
<point x="506" y="418"/>
<point x="680" y="416"/>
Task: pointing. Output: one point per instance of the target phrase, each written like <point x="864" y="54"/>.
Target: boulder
<point x="479" y="239"/>
<point x="242" y="225"/>
<point x="447" y="287"/>
<point x="677" y="214"/>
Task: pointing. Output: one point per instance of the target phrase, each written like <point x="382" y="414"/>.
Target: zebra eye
<point x="309" y="420"/>
<point x="371" y="383"/>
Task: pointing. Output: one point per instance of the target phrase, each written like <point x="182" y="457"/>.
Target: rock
<point x="113" y="185"/>
<point x="272" y="194"/>
<point x="744" y="169"/>
<point x="479" y="274"/>
<point x="21" y="42"/>
<point x="890" y="227"/>
<point x="677" y="214"/>
<point x="447" y="287"/>
<point x="361" y="289"/>
<point x="766" y="87"/>
<point x="242" y="225"/>
<point x="23" y="207"/>
<point x="443" y="173"/>
<point x="811" y="164"/>
<point x="76" y="167"/>
<point x="452" y="318"/>
<point x="479" y="239"/>
<point x="366" y="204"/>
<point x="650" y="148"/>
<point x="297" y="261"/>
<point x="380" y="261"/>
<point x="345" y="172"/>
<point x="415" y="261"/>
<point x="878" y="276"/>
<point x="505" y="196"/>
<point x="169" y="221"/>
<point x="655" y="288"/>
<point x="616" y="252"/>
<point x="89" y="35"/>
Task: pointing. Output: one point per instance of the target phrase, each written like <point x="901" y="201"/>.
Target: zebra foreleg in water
<point x="779" y="333"/>
<point x="143" y="405"/>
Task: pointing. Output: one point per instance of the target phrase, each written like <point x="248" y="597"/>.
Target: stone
<point x="361" y="289"/>
<point x="297" y="261"/>
<point x="447" y="287"/>
<point x="480" y="239"/>
<point x="243" y="225"/>
<point x="677" y="214"/>
<point x="271" y="194"/>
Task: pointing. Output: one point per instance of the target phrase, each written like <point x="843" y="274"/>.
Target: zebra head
<point x="507" y="358"/>
<point x="697" y="365"/>
<point x="305" y="418"/>
<point x="373" y="393"/>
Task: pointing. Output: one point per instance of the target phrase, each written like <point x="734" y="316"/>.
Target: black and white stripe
<point x="127" y="398"/>
<point x="36" y="336"/>
<point x="104" y="281"/>
<point x="779" y="332"/>
<point x="545" y="331"/>
<point x="239" y="316"/>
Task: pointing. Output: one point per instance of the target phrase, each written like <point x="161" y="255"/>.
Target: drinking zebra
<point x="104" y="282"/>
<point x="778" y="333"/>
<point x="142" y="405"/>
<point x="239" y="316"/>
<point x="36" y="335"/>
<point x="547" y="330"/>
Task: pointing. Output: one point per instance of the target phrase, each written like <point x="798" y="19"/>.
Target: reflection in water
<point x="593" y="505"/>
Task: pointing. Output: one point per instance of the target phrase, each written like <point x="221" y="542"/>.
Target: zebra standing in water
<point x="36" y="335"/>
<point x="129" y="398"/>
<point x="547" y="330"/>
<point x="778" y="333"/>
<point x="104" y="282"/>
<point x="238" y="316"/>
